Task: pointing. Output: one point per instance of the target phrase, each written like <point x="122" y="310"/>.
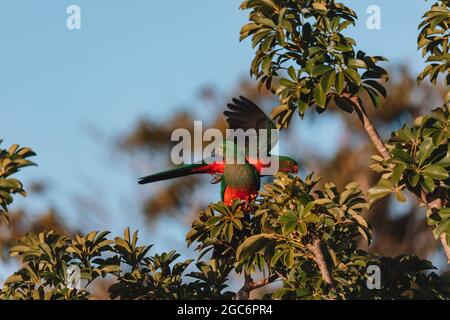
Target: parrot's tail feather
<point x="170" y="174"/>
<point x="183" y="171"/>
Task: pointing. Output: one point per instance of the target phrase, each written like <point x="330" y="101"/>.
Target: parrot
<point x="238" y="180"/>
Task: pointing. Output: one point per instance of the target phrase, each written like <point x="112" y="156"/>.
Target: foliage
<point x="301" y="237"/>
<point x="434" y="42"/>
<point x="303" y="40"/>
<point x="270" y="236"/>
<point x="48" y="256"/>
<point x="420" y="153"/>
<point x="286" y="219"/>
<point x="300" y="44"/>
<point x="11" y="161"/>
<point x="420" y="162"/>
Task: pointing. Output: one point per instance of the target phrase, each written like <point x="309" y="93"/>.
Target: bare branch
<point x="250" y="285"/>
<point x="446" y="247"/>
<point x="433" y="205"/>
<point x="369" y="127"/>
<point x="320" y="260"/>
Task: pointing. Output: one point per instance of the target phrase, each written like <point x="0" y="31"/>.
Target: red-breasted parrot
<point x="238" y="181"/>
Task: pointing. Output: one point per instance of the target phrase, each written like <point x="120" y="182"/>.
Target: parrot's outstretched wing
<point x="245" y="114"/>
<point x="185" y="170"/>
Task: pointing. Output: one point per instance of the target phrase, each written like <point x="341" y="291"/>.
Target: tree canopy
<point x="309" y="237"/>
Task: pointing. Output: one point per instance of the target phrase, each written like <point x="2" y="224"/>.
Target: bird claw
<point x="216" y="178"/>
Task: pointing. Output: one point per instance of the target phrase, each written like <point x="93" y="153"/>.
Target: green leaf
<point x="303" y="103"/>
<point x="344" y="104"/>
<point x="229" y="232"/>
<point x="267" y="65"/>
<point x="276" y="257"/>
<point x="319" y="6"/>
<point x="216" y="230"/>
<point x="444" y="226"/>
<point x="302" y="229"/>
<point x="212" y="221"/>
<point x="320" y="96"/>
<point x="436" y="172"/>
<point x="425" y="150"/>
<point x="428" y="184"/>
<point x="357" y="63"/>
<point x="281" y="38"/>
<point x="353" y="76"/>
<point x="361" y="221"/>
<point x="13" y="148"/>
<point x="363" y="232"/>
<point x="253" y="244"/>
<point x="377" y="86"/>
<point x="328" y="80"/>
<point x="320" y="69"/>
<point x="382" y="190"/>
<point x="10" y="184"/>
<point x="111" y="269"/>
<point x="287" y="217"/>
<point x="289" y="258"/>
<point x="397" y="174"/>
<point x="405" y="134"/>
<point x="402" y="156"/>
<point x="413" y="179"/>
<point x="13" y="279"/>
<point x="292" y="73"/>
<point x="289" y="227"/>
<point x="266" y="22"/>
<point x="340" y="82"/>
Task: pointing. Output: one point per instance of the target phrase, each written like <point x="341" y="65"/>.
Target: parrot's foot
<point x="216" y="178"/>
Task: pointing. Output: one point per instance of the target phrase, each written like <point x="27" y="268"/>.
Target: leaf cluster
<point x="301" y="45"/>
<point x="11" y="161"/>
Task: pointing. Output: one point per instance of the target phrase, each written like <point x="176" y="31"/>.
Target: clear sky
<point x="130" y="59"/>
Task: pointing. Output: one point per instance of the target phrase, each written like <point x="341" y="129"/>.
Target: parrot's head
<point x="287" y="165"/>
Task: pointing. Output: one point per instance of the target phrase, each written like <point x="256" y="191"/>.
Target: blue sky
<point x="132" y="59"/>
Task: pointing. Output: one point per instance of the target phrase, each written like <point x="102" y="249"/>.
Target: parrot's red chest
<point x="238" y="193"/>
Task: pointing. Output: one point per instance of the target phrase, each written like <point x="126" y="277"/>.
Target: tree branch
<point x="445" y="245"/>
<point x="320" y="260"/>
<point x="369" y="127"/>
<point x="434" y="203"/>
<point x="250" y="285"/>
<point x="431" y="200"/>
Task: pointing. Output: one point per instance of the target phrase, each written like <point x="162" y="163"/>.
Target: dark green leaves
<point x="384" y="188"/>
<point x="320" y="96"/>
<point x="434" y="41"/>
<point x="425" y="150"/>
<point x="402" y="156"/>
<point x="11" y="161"/>
<point x="252" y="245"/>
<point x="137" y="275"/>
<point x="320" y="61"/>
<point x="436" y="172"/>
<point x="344" y="103"/>
<point x="419" y="163"/>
